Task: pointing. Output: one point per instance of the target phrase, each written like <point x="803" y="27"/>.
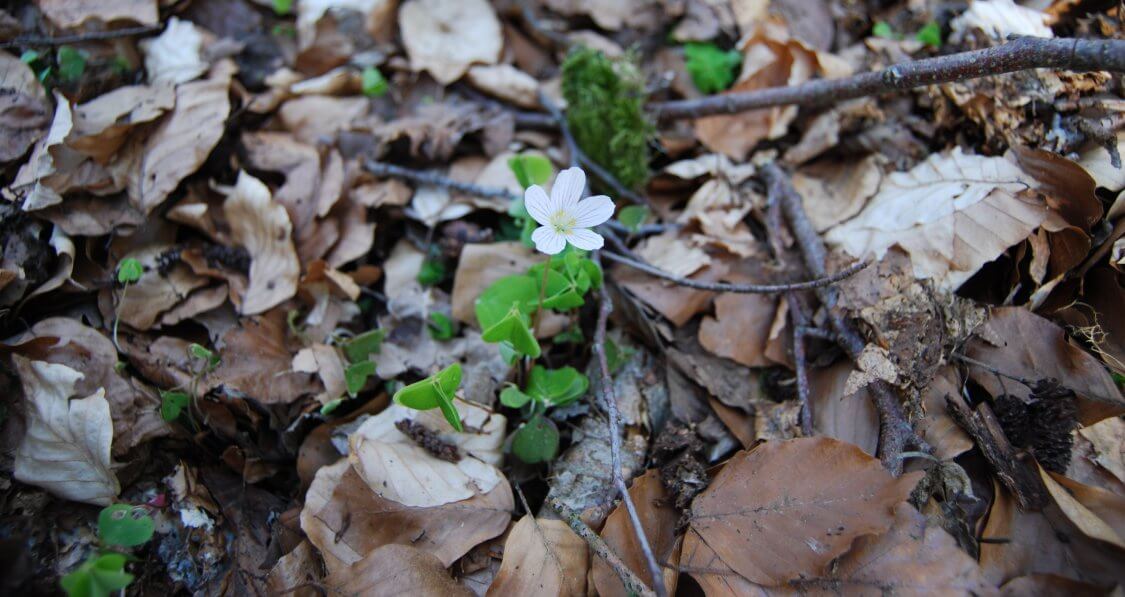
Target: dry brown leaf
<point x="1018" y="342"/>
<point x="1097" y="162"/>
<point x="507" y="83"/>
<point x="378" y="16"/>
<point x="873" y="364"/>
<point x="396" y="570"/>
<point x="612" y="15"/>
<point x="25" y="114"/>
<point x="677" y="303"/>
<point x="834" y="191"/>
<point x="396" y="468"/>
<point x="740" y="329"/>
<point x="101" y="124"/>
<point x="325" y="362"/>
<point x="1044" y="543"/>
<point x="32" y="182"/>
<point x="952" y="213"/>
<point x="939" y="430"/>
<point x="542" y="557"/>
<point x="446" y="37"/>
<point x="262" y="227"/>
<point x="294" y="569"/>
<point x="658" y="518"/>
<point x="345" y="520"/>
<point x="915" y="557"/>
<point x="66" y="447"/>
<point x="807" y="499"/>
<point x="672" y="254"/>
<point x="1108" y="441"/>
<point x="1048" y="585"/>
<point x="847" y="417"/>
<point x="1096" y="512"/>
<point x="256" y="360"/>
<point x="72" y="14"/>
<point x="999" y="19"/>
<point x="181" y="142"/>
<point x="176" y="55"/>
<point x="155" y="293"/>
<point x="314" y="117"/>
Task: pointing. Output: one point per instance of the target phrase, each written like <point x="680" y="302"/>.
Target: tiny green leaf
<point x="441" y="326"/>
<point x="531" y="168"/>
<point x="374" y="84"/>
<point x="513" y="328"/>
<point x="512" y="397"/>
<point x="172" y="404"/>
<point x="282" y="7"/>
<point x="204" y="354"/>
<point x="632" y="216"/>
<point x="494" y="303"/>
<point x="930" y="35"/>
<point x="330" y="406"/>
<point x="432" y="272"/>
<point x="129" y="270"/>
<point x="615" y="356"/>
<point x="557" y="386"/>
<point x="30" y="56"/>
<point x="97" y="577"/>
<point x="436" y="391"/>
<point x="884" y="30"/>
<point x="711" y="69"/>
<point x="536" y="441"/>
<point x="125" y="525"/>
<point x="370" y="342"/>
<point x="71" y="63"/>
<point x="356" y="374"/>
<point x="571" y="335"/>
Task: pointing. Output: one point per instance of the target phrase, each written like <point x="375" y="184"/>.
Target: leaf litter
<point x="247" y="247"/>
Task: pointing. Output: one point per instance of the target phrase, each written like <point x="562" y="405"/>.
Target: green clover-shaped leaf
<point x="204" y="354"/>
<point x="536" y="441"/>
<point x="512" y="397"/>
<point x="356" y="374"/>
<point x="172" y="403"/>
<point x="557" y="386"/>
<point x="124" y="525"/>
<point x="711" y="69"/>
<point x="436" y="391"/>
<point x="531" y="168"/>
<point x="374" y="84"/>
<point x="358" y="348"/>
<point x="514" y="329"/>
<point x="97" y="577"/>
<point x="129" y="270"/>
<point x="441" y="326"/>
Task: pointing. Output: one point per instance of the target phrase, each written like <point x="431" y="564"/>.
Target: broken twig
<point x="1024" y="53"/>
<point x="598" y="545"/>
<point x="738" y="288"/>
<point x="62" y="40"/>
<point x="433" y="179"/>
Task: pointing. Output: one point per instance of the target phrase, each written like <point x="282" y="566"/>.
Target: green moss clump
<point x="605" y="110"/>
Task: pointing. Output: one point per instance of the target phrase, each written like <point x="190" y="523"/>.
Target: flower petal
<point x="585" y="239"/>
<point x="592" y="211"/>
<point x="568" y="188"/>
<point x="537" y="203"/>
<point x="548" y="241"/>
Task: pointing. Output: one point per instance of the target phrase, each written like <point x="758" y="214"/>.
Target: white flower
<point x="563" y="218"/>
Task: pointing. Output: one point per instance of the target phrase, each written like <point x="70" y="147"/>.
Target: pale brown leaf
<point x="445" y="37"/>
<point x="658" y="519"/>
<point x="542" y="557"/>
<point x="262" y="226"/>
<point x="396" y="570"/>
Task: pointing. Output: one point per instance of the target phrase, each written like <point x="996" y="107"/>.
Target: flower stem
<point x="542" y="294"/>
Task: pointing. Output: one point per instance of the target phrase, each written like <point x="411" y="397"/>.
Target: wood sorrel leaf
<point x="497" y="300"/>
<point x="129" y="270"/>
<point x="512" y="397"/>
<point x="536" y="441"/>
<point x="632" y="216"/>
<point x="172" y="404"/>
<point x="513" y="328"/>
<point x="711" y="69"/>
<point x="97" y="577"/>
<point x="557" y="386"/>
<point x="530" y="169"/>
<point x="370" y="342"/>
<point x="356" y="374"/>
<point x="436" y="391"/>
<point x="125" y="525"/>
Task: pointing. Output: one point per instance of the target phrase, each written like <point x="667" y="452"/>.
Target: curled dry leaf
<point x="396" y="570"/>
<point x="182" y="141"/>
<point x="396" y="468"/>
<point x="1017" y="342"/>
<point x="542" y="557"/>
<point x="834" y="191"/>
<point x="72" y="14"/>
<point x="325" y="362"/>
<point x="446" y="37"/>
<point x="66" y="448"/>
<point x="672" y="254"/>
<point x="262" y="226"/>
<point x="807" y="499"/>
<point x="847" y="417"/>
<point x="345" y="520"/>
<point x="658" y="517"/>
<point x="952" y="213"/>
<point x="176" y="55"/>
<point x="1098" y="513"/>
<point x="102" y="124"/>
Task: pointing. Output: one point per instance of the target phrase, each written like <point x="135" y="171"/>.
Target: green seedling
<point x="711" y="69"/>
<point x="436" y="391"/>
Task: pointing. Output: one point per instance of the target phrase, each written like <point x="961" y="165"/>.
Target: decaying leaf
<point x="396" y="570"/>
<point x="66" y="448"/>
<point x="256" y="360"/>
<point x="1108" y="441"/>
<point x="446" y="37"/>
<point x="807" y="499"/>
<point x="658" y="518"/>
<point x="263" y="228"/>
<point x="175" y="56"/>
<point x="24" y="112"/>
<point x="952" y="213"/>
<point x="71" y="14"/>
<point x="507" y="83"/>
<point x="542" y="557"/>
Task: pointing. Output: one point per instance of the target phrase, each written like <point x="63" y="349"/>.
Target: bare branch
<point x="434" y="179"/>
<point x="633" y="584"/>
<point x="1021" y="54"/>
<point x="62" y="40"/>
<point x="821" y="282"/>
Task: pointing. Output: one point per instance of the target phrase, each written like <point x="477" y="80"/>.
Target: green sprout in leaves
<point x="711" y="69"/>
<point x="538" y="439"/>
<point x="129" y="271"/>
<point x="531" y="168"/>
<point x="632" y="217"/>
<point x="930" y="35"/>
<point x="360" y="347"/>
<point x="374" y="84"/>
<point x="431" y="273"/>
<point x="605" y="110"/>
<point x="123" y="525"/>
<point x="172" y="403"/>
<point x="440" y="326"/>
<point x="103" y="573"/>
<point x="282" y="7"/>
<point x="356" y="374"/>
<point x="436" y="391"/>
<point x="98" y="576"/>
<point x="883" y="29"/>
<point x="72" y="63"/>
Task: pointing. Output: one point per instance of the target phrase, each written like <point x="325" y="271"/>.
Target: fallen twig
<point x="62" y="40"/>
<point x="1020" y="54"/>
<point x="896" y="434"/>
<point x="632" y="583"/>
<point x="434" y="179"/>
<point x="738" y="288"/>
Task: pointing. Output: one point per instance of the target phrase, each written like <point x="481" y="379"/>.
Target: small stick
<point x="615" y="440"/>
<point x="993" y="370"/>
<point x="1023" y="53"/>
<point x="434" y="179"/>
<point x="738" y="288"/>
<point x="62" y="40"/>
<point x="632" y="583"/>
<point x="800" y="363"/>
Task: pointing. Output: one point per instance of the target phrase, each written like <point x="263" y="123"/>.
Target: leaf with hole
<point x="124" y="525"/>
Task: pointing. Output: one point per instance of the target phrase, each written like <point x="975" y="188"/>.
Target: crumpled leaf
<point x="807" y="499"/>
<point x="542" y="557"/>
<point x="396" y="468"/>
<point x="396" y="570"/>
<point x="24" y="112"/>
<point x="952" y="213"/>
<point x="262" y="226"/>
<point x="176" y="55"/>
<point x="71" y="14"/>
<point x="445" y="37"/>
<point x="102" y="124"/>
<point x="66" y="448"/>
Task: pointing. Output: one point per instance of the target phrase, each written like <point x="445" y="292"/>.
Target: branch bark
<point x="820" y="282"/>
<point x="1024" y="53"/>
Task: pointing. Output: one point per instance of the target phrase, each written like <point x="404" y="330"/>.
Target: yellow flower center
<point x="563" y="222"/>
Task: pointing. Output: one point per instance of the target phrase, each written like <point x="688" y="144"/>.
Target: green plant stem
<point x="542" y="295"/>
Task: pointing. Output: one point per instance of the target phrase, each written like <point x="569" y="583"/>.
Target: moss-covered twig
<point x="634" y="585"/>
<point x="1024" y="53"/>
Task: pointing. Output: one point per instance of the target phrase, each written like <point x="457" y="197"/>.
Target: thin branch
<point x="62" y="40"/>
<point x="1024" y="53"/>
<point x="821" y="282"/>
<point x="434" y="179"/>
<point x="801" y="366"/>
<point x="632" y="583"/>
<point x="615" y="440"/>
<point x="993" y="370"/>
<point x="896" y="434"/>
